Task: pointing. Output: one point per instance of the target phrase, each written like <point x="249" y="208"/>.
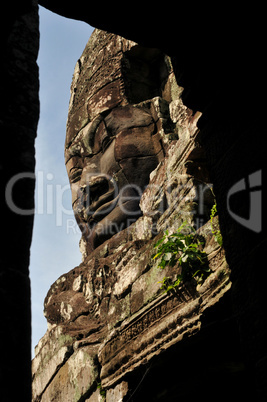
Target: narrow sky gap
<point x="55" y="244"/>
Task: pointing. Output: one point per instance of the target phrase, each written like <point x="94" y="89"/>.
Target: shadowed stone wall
<point x="19" y="113"/>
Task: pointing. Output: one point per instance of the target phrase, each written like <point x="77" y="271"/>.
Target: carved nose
<point x="92" y="190"/>
<point x="97" y="182"/>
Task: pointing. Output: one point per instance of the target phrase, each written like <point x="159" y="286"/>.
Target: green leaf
<point x="157" y="255"/>
<point x="179" y="244"/>
<point x="184" y="257"/>
<point x="167" y="256"/>
<point x="178" y="280"/>
<point x="182" y="247"/>
<point x="206" y="269"/>
<point x="159" y="242"/>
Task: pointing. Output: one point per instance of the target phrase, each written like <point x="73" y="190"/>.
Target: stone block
<point x="75" y="378"/>
<point x="118" y="393"/>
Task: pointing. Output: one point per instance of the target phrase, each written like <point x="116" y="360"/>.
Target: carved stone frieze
<point x="161" y="323"/>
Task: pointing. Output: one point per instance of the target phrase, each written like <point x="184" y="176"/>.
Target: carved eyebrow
<point x="73" y="151"/>
<point x="83" y="142"/>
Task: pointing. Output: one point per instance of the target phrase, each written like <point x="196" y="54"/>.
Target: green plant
<point x="101" y="391"/>
<point x="183" y="248"/>
<point x="215" y="229"/>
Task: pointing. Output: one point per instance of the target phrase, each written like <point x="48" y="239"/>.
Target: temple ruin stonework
<point x="136" y="168"/>
<point x="112" y="332"/>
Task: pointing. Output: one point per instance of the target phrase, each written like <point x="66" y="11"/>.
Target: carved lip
<point x="103" y="206"/>
<point x="96" y="199"/>
<point x="96" y="211"/>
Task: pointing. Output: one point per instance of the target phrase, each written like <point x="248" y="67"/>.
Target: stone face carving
<point x="117" y="119"/>
<point x="110" y="170"/>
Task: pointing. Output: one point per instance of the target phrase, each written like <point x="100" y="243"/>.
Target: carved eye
<point x="75" y="174"/>
<point x="105" y="143"/>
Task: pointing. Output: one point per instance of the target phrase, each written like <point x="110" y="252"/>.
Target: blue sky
<point x="55" y="244"/>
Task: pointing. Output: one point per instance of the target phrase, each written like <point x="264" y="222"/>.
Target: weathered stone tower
<point x="136" y="168"/>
